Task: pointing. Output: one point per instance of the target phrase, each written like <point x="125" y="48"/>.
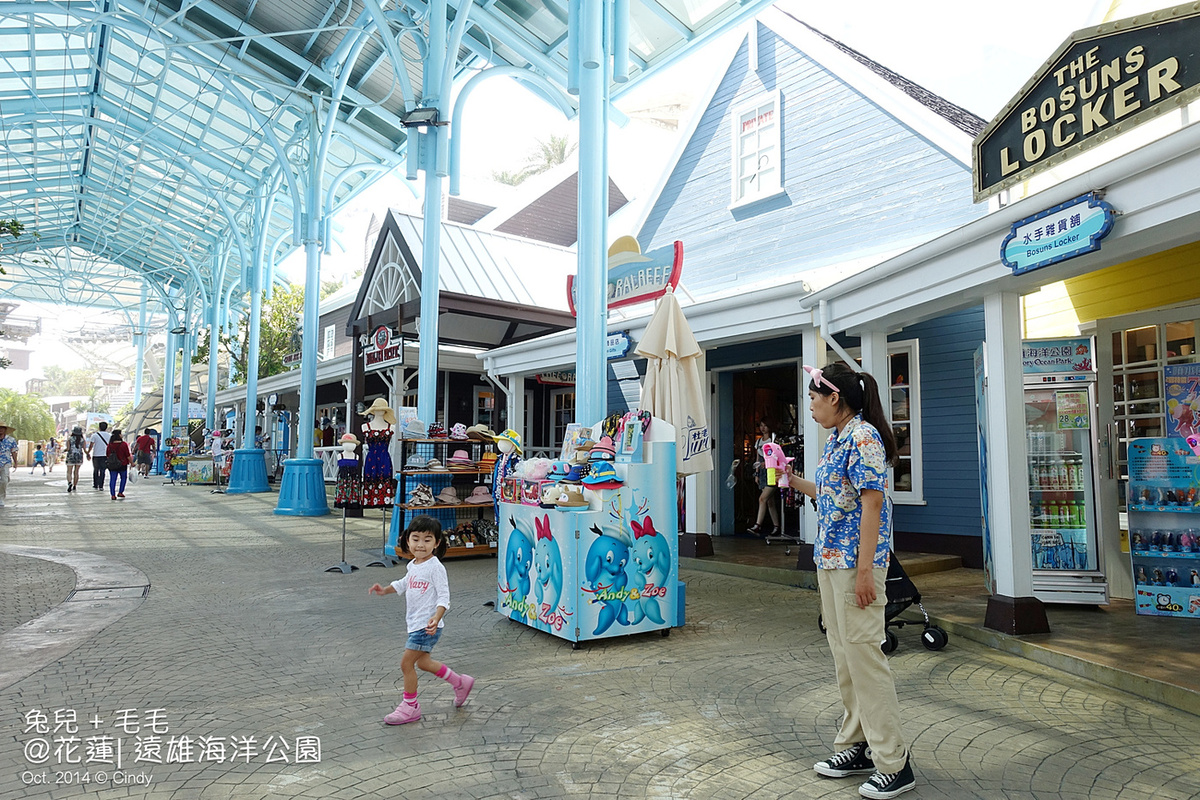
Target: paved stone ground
<point x="244" y="636"/>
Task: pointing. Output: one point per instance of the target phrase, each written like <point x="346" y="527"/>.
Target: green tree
<point x="60" y="381"/>
<point x="28" y="414"/>
<point x="279" y="335"/>
<point x="545" y="156"/>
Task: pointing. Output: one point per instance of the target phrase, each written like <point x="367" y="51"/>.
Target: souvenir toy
<point x="1158" y="577"/>
<point x="1171" y="577"/>
<point x="549" y="495"/>
<point x="1195" y="578"/>
<point x="1142" y="580"/>
<point x="1135" y="541"/>
<point x="776" y="463"/>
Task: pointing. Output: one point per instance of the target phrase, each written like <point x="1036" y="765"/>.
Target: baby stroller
<point x="902" y="593"/>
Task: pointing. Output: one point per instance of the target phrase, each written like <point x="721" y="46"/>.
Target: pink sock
<point x="448" y="675"/>
<point x="411" y="699"/>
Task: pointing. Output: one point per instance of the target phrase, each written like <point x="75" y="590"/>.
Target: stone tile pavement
<point x="244" y="641"/>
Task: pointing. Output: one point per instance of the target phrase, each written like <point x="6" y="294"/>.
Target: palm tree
<point x="545" y="156"/>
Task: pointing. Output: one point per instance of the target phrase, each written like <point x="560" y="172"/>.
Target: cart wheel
<point x="890" y="643"/>
<point x="821" y="623"/>
<point x="666" y="632"/>
<point x="787" y="551"/>
<point x="934" y="638"/>
<point x="576" y="645"/>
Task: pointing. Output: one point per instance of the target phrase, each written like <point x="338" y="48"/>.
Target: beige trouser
<point x="5" y="474"/>
<point x="872" y="714"/>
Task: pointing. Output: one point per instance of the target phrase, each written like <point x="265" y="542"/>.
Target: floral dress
<point x="378" y="484"/>
<point x="349" y="492"/>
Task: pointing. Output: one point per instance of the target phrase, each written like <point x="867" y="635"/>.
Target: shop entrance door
<point x="763" y="393"/>
<point x="1131" y="352"/>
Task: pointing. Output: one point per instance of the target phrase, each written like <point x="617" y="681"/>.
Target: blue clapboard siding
<point x="948" y="436"/>
<point x="857" y="182"/>
<point x="624" y="386"/>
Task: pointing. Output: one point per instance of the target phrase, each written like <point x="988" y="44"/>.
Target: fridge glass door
<point x="1061" y="476"/>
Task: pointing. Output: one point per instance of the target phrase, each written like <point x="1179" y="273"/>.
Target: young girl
<point x="119" y="459"/>
<point x="427" y="595"/>
<point x="768" y="498"/>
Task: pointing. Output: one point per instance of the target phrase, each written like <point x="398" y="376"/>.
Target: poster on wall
<point x="1072" y="410"/>
<point x="1182" y="385"/>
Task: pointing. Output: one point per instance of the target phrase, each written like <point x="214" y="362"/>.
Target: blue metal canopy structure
<point x="168" y="153"/>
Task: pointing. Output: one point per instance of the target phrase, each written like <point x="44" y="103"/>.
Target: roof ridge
<point x="953" y="113"/>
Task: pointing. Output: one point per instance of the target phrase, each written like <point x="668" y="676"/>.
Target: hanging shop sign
<point x="562" y="377"/>
<point x="384" y="349"/>
<point x="634" y="276"/>
<point x="617" y="344"/>
<point x="1039" y="356"/>
<point x="1101" y="82"/>
<point x="1069" y="229"/>
<point x="292" y="360"/>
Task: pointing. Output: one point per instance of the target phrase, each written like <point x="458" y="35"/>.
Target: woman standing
<point x="854" y="537"/>
<point x="75" y="446"/>
<point x="768" y="497"/>
<point x="119" y="459"/>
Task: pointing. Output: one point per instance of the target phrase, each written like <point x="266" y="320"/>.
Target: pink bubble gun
<point x="776" y="463"/>
<point x="1194" y="443"/>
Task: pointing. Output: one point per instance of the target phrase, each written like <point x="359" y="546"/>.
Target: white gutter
<point x="837" y="348"/>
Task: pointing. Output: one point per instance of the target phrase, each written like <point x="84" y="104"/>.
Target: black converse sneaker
<point x="854" y="760"/>
<point x="881" y="786"/>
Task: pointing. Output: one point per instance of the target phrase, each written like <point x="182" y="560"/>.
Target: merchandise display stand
<point x="1164" y="527"/>
<point x="385" y="559"/>
<point x="343" y="567"/>
<point x="603" y="570"/>
<point x="437" y="480"/>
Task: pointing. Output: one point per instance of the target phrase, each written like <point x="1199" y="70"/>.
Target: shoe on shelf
<point x="405" y="712"/>
<point x="882" y="786"/>
<point x="854" y="760"/>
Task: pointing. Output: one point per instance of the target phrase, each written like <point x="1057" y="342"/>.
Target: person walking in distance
<point x="143" y="451"/>
<point x="119" y="458"/>
<point x="39" y="459"/>
<point x="427" y="597"/>
<point x="8" y="459"/>
<point x="852" y="549"/>
<point x="75" y="449"/>
<point x="97" y="451"/>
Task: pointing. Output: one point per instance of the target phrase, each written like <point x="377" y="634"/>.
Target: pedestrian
<point x="52" y="452"/>
<point x="75" y="447"/>
<point x="97" y="450"/>
<point x="328" y="435"/>
<point x="427" y="597"/>
<point x="39" y="459"/>
<point x="8" y="459"/>
<point x="119" y="458"/>
<point x="143" y="449"/>
<point x="768" y="496"/>
<point x="852" y="548"/>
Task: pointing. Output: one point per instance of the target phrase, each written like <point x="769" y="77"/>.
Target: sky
<point x="975" y="53"/>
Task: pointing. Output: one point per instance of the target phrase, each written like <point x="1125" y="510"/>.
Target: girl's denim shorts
<point x="420" y="640"/>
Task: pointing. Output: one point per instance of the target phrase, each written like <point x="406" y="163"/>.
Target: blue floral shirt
<point x="853" y="460"/>
<point x="8" y="446"/>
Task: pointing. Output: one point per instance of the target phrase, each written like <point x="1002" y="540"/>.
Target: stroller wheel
<point x="934" y="638"/>
<point x="890" y="643"/>
<point x="821" y="623"/>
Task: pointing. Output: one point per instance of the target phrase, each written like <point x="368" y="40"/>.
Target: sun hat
<point x="415" y="462"/>
<point x="558" y="471"/>
<point x="479" y="494"/>
<point x="603" y="476"/>
<point x="448" y="496"/>
<point x="574" y="474"/>
<point x="349" y="437"/>
<point x="381" y="408"/>
<point x="481" y="432"/>
<point x="604" y="450"/>
<point x="511" y="437"/>
<point x="461" y="455"/>
<point x="571" y="497"/>
<point x="458" y="431"/>
<point x="487" y="460"/>
<point x="433" y="465"/>
<point x="413" y="429"/>
<point x="437" y="430"/>
<point x="422" y="495"/>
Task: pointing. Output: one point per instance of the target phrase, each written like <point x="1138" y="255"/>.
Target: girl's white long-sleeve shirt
<point x="425" y="587"/>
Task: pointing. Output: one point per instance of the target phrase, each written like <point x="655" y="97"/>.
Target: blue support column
<point x="214" y="330"/>
<point x="168" y="393"/>
<point x="140" y="364"/>
<point x="249" y="470"/>
<point x="431" y="246"/>
<point x="592" y="303"/>
<point x="302" y="491"/>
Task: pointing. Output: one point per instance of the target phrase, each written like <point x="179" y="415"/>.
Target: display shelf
<point x="1166" y="509"/>
<point x="437" y="506"/>
<point x="1165" y="554"/>
<point x="477" y="550"/>
<point x="447" y="472"/>
<point x="448" y="514"/>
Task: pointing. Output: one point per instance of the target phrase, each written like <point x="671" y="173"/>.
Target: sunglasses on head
<point x="818" y="378"/>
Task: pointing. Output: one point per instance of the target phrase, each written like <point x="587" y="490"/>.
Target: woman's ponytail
<point x="872" y="412"/>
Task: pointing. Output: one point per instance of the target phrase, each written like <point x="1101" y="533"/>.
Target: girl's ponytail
<point x="872" y="411"/>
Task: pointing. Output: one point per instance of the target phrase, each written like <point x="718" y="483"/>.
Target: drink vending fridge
<point x="1061" y="446"/>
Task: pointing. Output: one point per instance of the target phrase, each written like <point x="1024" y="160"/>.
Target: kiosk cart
<point x="603" y="570"/>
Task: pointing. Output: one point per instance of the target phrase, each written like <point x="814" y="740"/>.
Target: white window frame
<point x="329" y="342"/>
<point x="555" y="394"/>
<point x="911" y="348"/>
<point x="763" y="104"/>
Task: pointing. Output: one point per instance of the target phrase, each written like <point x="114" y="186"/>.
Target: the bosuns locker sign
<point x="1102" y="81"/>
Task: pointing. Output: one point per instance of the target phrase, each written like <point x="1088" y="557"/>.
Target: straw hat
<point x="350" y="437"/>
<point x="381" y="408"/>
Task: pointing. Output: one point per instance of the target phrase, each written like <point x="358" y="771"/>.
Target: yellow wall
<point x="1169" y="278"/>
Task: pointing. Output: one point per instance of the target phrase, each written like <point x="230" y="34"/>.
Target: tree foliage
<point x="28" y="415"/>
<point x="279" y="335"/>
<point x="545" y="156"/>
<point x="61" y="381"/>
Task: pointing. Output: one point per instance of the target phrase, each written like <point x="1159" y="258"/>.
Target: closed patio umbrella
<point x="674" y="386"/>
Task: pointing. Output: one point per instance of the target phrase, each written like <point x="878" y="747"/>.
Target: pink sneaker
<point x="404" y="713"/>
<point x="465" y="682"/>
